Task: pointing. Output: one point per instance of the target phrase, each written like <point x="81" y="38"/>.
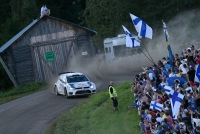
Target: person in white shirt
<point x="184" y="68"/>
<point x="159" y="119"/>
<point x="44" y="11"/>
<point x="149" y="117"/>
<point x="196" y="120"/>
<point x="172" y="74"/>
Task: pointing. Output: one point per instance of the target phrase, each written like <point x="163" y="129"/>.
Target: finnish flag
<point x="141" y="27"/>
<point x="155" y="105"/>
<point x="197" y="74"/>
<point x="167" y="89"/>
<point x="176" y="100"/>
<point x="130" y="40"/>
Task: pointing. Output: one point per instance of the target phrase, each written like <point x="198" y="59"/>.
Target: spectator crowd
<point x="148" y="88"/>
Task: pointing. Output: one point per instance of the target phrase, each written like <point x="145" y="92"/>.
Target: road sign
<point x="49" y="56"/>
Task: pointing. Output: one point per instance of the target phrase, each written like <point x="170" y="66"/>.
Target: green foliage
<point x="14" y="93"/>
<point x="107" y="16"/>
<point x="96" y="115"/>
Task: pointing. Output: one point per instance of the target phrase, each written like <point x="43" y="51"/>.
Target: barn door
<point x="85" y="49"/>
<point x="47" y="68"/>
<point x="23" y="65"/>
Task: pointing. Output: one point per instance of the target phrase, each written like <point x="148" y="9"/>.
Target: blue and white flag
<point x="141" y="27"/>
<point x="176" y="100"/>
<point x="155" y="105"/>
<point x="197" y="74"/>
<point x="130" y="40"/>
<point x="167" y="89"/>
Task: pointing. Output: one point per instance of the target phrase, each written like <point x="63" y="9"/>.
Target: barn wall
<point x="27" y="63"/>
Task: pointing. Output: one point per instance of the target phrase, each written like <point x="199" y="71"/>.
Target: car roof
<point x="70" y="73"/>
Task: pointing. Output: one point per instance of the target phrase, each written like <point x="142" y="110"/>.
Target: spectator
<point x="44" y="11"/>
<point x="145" y="106"/>
<point x="165" y="124"/>
<point x="182" y="131"/>
<point x="113" y="95"/>
<point x="169" y="118"/>
<point x="164" y="73"/>
<point x="195" y="120"/>
<point x="177" y="129"/>
<point x="190" y="58"/>
<point x="190" y="130"/>
<point x="159" y="118"/>
<point x="185" y="126"/>
<point x="183" y="68"/>
<point x="192" y="48"/>
<point x="162" y="121"/>
<point x="191" y="75"/>
<point x="161" y="130"/>
<point x="197" y="59"/>
<point x="197" y="130"/>
<point x="149" y="117"/>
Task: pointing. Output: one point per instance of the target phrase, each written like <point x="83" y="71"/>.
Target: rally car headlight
<point x="91" y="86"/>
<point x="71" y="88"/>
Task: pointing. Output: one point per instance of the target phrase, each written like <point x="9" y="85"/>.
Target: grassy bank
<point x="19" y="92"/>
<point x="95" y="115"/>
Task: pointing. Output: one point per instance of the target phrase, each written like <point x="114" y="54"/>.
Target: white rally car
<point x="74" y="84"/>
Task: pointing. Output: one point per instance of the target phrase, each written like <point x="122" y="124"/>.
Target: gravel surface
<point x="31" y="114"/>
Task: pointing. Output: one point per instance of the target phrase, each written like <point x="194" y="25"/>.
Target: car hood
<point x="81" y="84"/>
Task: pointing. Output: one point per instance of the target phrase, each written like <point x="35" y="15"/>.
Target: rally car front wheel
<point x="66" y="94"/>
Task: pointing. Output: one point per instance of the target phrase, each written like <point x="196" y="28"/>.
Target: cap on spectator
<point x="139" y="96"/>
<point x="192" y="46"/>
<point x="177" y="80"/>
<point x="144" y="116"/>
<point x="177" y="127"/>
<point x="169" y="127"/>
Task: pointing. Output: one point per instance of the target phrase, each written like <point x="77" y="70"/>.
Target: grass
<point x="95" y="115"/>
<point x="19" y="92"/>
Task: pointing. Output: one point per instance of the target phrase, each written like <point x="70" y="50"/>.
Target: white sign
<point x="84" y="53"/>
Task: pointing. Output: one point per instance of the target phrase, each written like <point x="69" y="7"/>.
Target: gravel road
<point x="31" y="114"/>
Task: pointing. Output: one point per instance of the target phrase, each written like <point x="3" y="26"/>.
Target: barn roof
<point x="17" y="36"/>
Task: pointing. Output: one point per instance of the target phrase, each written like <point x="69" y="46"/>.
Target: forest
<point x="103" y="16"/>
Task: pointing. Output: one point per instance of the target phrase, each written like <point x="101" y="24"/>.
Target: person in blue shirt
<point x="164" y="73"/>
<point x="192" y="103"/>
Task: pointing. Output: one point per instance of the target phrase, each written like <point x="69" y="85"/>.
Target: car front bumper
<point x="81" y="92"/>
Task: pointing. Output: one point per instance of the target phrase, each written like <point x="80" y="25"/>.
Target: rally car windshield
<point x="76" y="78"/>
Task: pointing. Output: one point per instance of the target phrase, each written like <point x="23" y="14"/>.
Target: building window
<point x="106" y="50"/>
<point x="109" y="50"/>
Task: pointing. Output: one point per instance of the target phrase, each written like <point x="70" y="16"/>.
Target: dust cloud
<point x="181" y="36"/>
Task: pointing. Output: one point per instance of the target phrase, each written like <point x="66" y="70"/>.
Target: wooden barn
<point x="44" y="48"/>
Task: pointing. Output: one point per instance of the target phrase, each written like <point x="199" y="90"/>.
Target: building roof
<point x="17" y="36"/>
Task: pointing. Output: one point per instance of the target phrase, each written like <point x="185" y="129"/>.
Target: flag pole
<point x="146" y="56"/>
<point x="148" y="52"/>
<point x="130" y="37"/>
<point x="170" y="53"/>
